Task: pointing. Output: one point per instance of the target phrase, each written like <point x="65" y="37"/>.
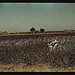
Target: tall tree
<point x="32" y="30"/>
<point x="42" y="30"/>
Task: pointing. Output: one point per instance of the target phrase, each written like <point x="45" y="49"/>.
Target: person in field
<point x="52" y="45"/>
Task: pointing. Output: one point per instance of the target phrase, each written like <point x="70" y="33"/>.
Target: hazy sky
<point x="18" y="17"/>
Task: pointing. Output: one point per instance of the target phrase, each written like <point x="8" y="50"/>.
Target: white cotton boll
<point x="55" y="40"/>
<point x="50" y="46"/>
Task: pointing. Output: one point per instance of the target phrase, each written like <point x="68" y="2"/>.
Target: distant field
<point x="59" y="33"/>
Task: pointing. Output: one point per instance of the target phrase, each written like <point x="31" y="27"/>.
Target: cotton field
<point x="64" y="42"/>
<point x="34" y="49"/>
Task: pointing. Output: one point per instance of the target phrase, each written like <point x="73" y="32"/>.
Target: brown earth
<point x="42" y="67"/>
<point x="37" y="52"/>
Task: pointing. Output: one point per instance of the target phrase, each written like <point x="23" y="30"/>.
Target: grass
<point x="43" y="67"/>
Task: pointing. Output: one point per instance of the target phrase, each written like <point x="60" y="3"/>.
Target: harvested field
<point x="43" y="67"/>
<point x="33" y="49"/>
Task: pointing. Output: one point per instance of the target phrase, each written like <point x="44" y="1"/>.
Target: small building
<point x="5" y="32"/>
<point x="69" y="31"/>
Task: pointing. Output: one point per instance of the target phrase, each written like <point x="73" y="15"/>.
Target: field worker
<point x="52" y="45"/>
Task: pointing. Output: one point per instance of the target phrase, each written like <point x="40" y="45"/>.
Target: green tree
<point x="32" y="30"/>
<point x="42" y="30"/>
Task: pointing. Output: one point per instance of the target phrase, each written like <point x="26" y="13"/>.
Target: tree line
<point x="34" y="31"/>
